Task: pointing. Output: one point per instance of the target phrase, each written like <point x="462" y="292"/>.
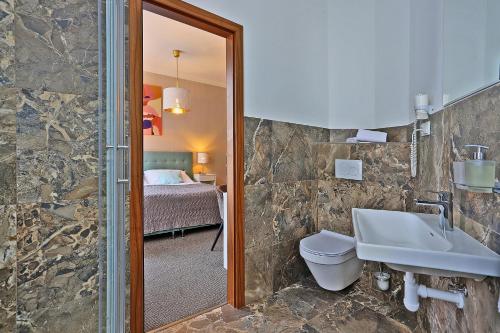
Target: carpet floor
<point x="182" y="277"/>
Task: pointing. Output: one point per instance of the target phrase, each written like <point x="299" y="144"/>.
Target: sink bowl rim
<point x="398" y="255"/>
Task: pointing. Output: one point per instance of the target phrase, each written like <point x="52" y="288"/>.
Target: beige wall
<point x="202" y="129"/>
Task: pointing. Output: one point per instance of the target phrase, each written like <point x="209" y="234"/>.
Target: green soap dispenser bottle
<point x="478" y="171"/>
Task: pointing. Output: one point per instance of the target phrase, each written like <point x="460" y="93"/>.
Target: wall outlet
<point x="349" y="169"/>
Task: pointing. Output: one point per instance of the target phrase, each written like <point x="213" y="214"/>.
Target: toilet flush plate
<point x="349" y="169"/>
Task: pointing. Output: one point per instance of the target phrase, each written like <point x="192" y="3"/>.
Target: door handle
<point x="117" y="147"/>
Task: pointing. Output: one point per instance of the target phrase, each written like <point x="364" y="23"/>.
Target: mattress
<point x="172" y="207"/>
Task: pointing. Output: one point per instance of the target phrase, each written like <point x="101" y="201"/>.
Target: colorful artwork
<point x="151" y="110"/>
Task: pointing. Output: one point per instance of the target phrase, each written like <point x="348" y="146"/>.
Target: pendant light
<point x="175" y="99"/>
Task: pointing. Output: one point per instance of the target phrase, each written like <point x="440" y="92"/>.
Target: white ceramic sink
<point x="412" y="242"/>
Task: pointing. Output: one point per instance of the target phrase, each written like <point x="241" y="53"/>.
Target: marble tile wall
<point x="280" y="202"/>
<point x="48" y="166"/>
<point x="291" y="192"/>
<point x="8" y="268"/>
<point x="386" y="185"/>
<point x="475" y="120"/>
<point x="386" y="182"/>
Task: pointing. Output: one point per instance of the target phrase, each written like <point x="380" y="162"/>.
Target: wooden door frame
<point x="199" y="18"/>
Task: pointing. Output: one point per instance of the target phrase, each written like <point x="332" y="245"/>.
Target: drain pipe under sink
<point x="413" y="291"/>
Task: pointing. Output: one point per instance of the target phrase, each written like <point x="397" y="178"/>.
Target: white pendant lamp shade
<point x="175" y="100"/>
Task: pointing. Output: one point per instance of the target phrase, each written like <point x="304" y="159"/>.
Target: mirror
<point x="471" y="47"/>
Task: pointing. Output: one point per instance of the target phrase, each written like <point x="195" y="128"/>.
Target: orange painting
<point x="151" y="110"/>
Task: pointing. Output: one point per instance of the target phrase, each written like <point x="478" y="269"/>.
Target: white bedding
<point x="156" y="176"/>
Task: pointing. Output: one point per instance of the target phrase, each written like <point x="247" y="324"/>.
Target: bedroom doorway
<point x="184" y="161"/>
<point x="186" y="202"/>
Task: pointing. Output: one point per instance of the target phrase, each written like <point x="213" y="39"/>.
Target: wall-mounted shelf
<point x="477" y="189"/>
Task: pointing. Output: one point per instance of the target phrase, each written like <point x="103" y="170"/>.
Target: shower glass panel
<point x="113" y="158"/>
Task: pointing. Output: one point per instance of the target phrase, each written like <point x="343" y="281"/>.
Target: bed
<point x="171" y="208"/>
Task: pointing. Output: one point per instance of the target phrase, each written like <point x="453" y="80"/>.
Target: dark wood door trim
<point x="194" y="16"/>
<point x="136" y="171"/>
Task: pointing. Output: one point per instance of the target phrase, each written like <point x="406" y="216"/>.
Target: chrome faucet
<point x="445" y="205"/>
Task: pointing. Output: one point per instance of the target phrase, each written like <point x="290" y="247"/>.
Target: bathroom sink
<point x="413" y="242"/>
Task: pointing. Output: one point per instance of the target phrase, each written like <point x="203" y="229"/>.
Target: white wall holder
<point x="425" y="128"/>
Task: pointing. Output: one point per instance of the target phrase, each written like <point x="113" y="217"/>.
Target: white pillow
<point x="162" y="177"/>
<point x="151" y="176"/>
<point x="185" y="177"/>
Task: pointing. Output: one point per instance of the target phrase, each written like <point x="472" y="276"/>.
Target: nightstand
<point x="206" y="178"/>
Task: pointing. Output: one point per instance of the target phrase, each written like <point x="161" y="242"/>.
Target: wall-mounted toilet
<point x="331" y="258"/>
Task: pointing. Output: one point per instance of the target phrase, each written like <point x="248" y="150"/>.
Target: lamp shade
<point x="202" y="158"/>
<point x="176" y="100"/>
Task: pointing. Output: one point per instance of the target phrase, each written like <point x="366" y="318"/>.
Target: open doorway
<point x="185" y="175"/>
<point x="175" y="253"/>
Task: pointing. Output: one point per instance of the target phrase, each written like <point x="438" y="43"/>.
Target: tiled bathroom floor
<point x="305" y="308"/>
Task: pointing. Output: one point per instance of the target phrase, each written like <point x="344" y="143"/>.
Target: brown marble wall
<point x="280" y="211"/>
<point x="386" y="184"/>
<point x="48" y="166"/>
<point x="475" y="120"/>
<point x="291" y="192"/>
<point x="280" y="202"/>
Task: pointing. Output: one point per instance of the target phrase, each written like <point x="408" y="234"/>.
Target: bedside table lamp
<point x="202" y="158"/>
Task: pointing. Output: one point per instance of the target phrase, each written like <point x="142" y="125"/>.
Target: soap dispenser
<point x="478" y="171"/>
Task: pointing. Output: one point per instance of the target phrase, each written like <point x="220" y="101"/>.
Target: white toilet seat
<point x="327" y="259"/>
<point x="332" y="259"/>
<point x="327" y="243"/>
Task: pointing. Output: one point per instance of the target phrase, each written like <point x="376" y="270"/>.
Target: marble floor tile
<point x="300" y="308"/>
<point x="361" y="296"/>
<point x="304" y="302"/>
<point x="367" y="321"/>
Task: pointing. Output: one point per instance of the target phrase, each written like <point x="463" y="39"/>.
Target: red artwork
<point x="151" y="110"/>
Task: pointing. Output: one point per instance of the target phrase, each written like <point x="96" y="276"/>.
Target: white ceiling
<point x="203" y="57"/>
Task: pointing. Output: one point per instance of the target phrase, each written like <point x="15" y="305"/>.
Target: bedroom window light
<point x="176" y="99"/>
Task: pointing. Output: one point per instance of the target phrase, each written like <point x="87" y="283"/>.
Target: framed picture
<point x="151" y="110"/>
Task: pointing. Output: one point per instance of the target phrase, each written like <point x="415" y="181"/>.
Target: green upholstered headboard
<point x="169" y="160"/>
